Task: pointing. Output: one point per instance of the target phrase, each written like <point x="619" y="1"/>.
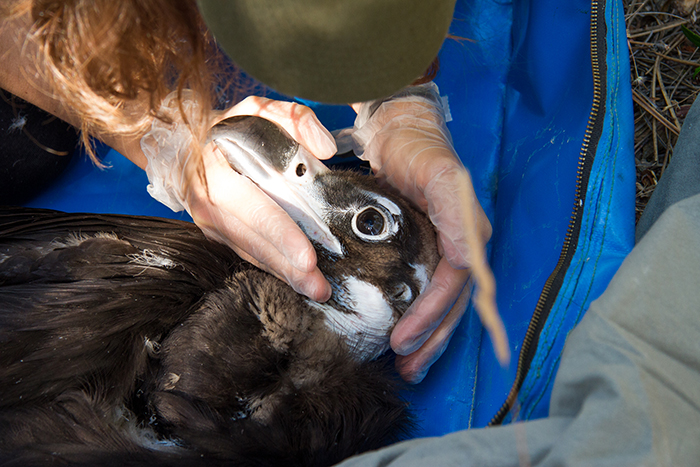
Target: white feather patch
<point x="420" y="272"/>
<point x="367" y="330"/>
<point x="151" y="259"/>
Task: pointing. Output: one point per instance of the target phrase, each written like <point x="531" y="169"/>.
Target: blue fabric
<point x="607" y="232"/>
<point x="521" y="93"/>
<point x="519" y="82"/>
<point x="119" y="188"/>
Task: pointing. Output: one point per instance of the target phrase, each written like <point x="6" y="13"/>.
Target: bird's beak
<point x="286" y="171"/>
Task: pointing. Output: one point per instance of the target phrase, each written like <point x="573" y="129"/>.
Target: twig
<point x="669" y="105"/>
<point x="644" y="102"/>
<point x="677" y="60"/>
<point x="665" y="27"/>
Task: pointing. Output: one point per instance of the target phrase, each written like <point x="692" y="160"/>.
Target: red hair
<point x="103" y="56"/>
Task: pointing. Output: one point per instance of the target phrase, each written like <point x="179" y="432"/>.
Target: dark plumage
<point x="136" y="341"/>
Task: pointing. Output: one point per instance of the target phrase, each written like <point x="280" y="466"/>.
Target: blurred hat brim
<point x="333" y="51"/>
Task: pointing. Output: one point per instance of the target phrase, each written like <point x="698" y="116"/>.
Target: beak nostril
<point x="301" y="170"/>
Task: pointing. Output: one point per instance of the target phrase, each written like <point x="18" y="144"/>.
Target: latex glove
<point x="234" y="211"/>
<point x="408" y="145"/>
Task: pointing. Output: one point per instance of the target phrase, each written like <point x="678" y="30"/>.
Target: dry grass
<point x="663" y="62"/>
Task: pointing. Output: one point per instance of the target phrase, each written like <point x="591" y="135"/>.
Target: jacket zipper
<point x="586" y="155"/>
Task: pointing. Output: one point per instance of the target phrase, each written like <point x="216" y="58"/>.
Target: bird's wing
<point x="84" y="298"/>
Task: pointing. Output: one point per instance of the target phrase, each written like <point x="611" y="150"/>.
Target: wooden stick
<point x="669" y="105"/>
<point x="644" y="102"/>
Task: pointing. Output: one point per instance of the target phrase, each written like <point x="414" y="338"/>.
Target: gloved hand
<point x="408" y="145"/>
<point x="228" y="207"/>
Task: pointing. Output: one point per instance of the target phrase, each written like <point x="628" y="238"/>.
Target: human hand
<point x="409" y="147"/>
<point x="230" y="208"/>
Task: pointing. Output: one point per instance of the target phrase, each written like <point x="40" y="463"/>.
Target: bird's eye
<point x="371" y="224"/>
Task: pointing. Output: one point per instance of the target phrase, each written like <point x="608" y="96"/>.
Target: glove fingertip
<point x="318" y="290"/>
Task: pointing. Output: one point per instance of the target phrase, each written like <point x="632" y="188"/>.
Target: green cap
<point x="334" y="51"/>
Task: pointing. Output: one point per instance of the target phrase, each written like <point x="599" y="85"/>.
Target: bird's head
<point x="375" y="249"/>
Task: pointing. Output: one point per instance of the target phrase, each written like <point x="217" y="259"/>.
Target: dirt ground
<point x="663" y="62"/>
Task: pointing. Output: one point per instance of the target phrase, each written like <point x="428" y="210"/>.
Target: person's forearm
<point x="129" y="147"/>
<point x="23" y="75"/>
